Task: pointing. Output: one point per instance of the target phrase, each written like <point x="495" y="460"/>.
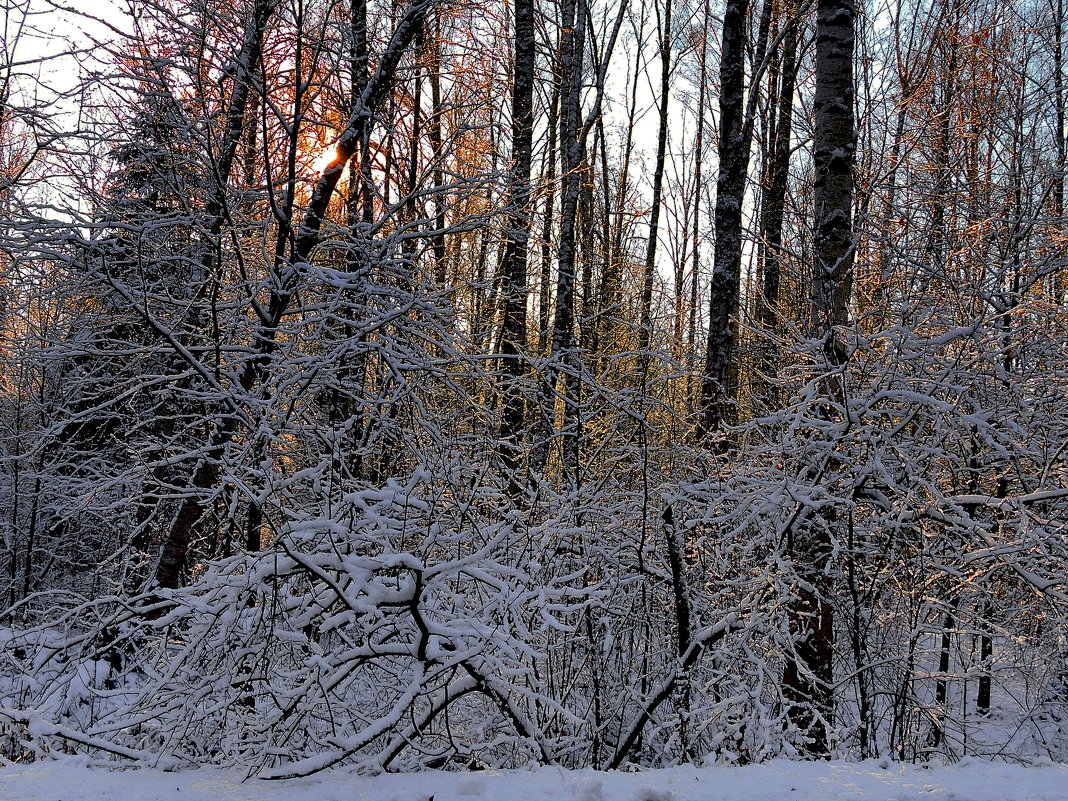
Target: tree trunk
<point x="1060" y="280"/>
<point x="833" y="148"/>
<point x="716" y="389"/>
<point x="549" y="212"/>
<point x="649" y="276"/>
<point x="773" y="207"/>
<point x="514" y="260"/>
<point x="436" y="136"/>
<point x="170" y="568"/>
<point x="808" y="675"/>
<point x="563" y="358"/>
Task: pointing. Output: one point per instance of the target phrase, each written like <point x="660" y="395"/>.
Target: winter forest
<point x="400" y="384"/>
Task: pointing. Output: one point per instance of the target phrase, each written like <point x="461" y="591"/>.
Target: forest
<point x="406" y="384"/>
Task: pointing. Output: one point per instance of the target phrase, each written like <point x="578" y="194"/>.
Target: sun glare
<point x="324" y="159"/>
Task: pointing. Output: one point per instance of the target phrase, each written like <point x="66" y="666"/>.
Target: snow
<point x="779" y="780"/>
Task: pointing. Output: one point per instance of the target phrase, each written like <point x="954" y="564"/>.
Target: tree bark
<point x="1060" y="281"/>
<point x="649" y="276"/>
<point x="716" y="389"/>
<point x="563" y="358"/>
<point x="833" y="149"/>
<point x="514" y="260"/>
<point x="808" y="675"/>
<point x="773" y="208"/>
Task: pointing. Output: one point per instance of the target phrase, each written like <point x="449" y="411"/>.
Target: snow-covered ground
<point x="775" y="781"/>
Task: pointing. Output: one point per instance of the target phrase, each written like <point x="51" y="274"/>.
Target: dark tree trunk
<point x="773" y="207"/>
<point x="514" y="260"/>
<point x="664" y="50"/>
<point x="563" y="356"/>
<point x="982" y="698"/>
<point x="808" y="675"/>
<point x="1060" y="281"/>
<point x="833" y="148"/>
<point x="945" y="651"/>
<point x="716" y="389"/>
<point x="436" y="136"/>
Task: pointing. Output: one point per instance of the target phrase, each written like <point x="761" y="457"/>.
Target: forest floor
<point x="970" y="780"/>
